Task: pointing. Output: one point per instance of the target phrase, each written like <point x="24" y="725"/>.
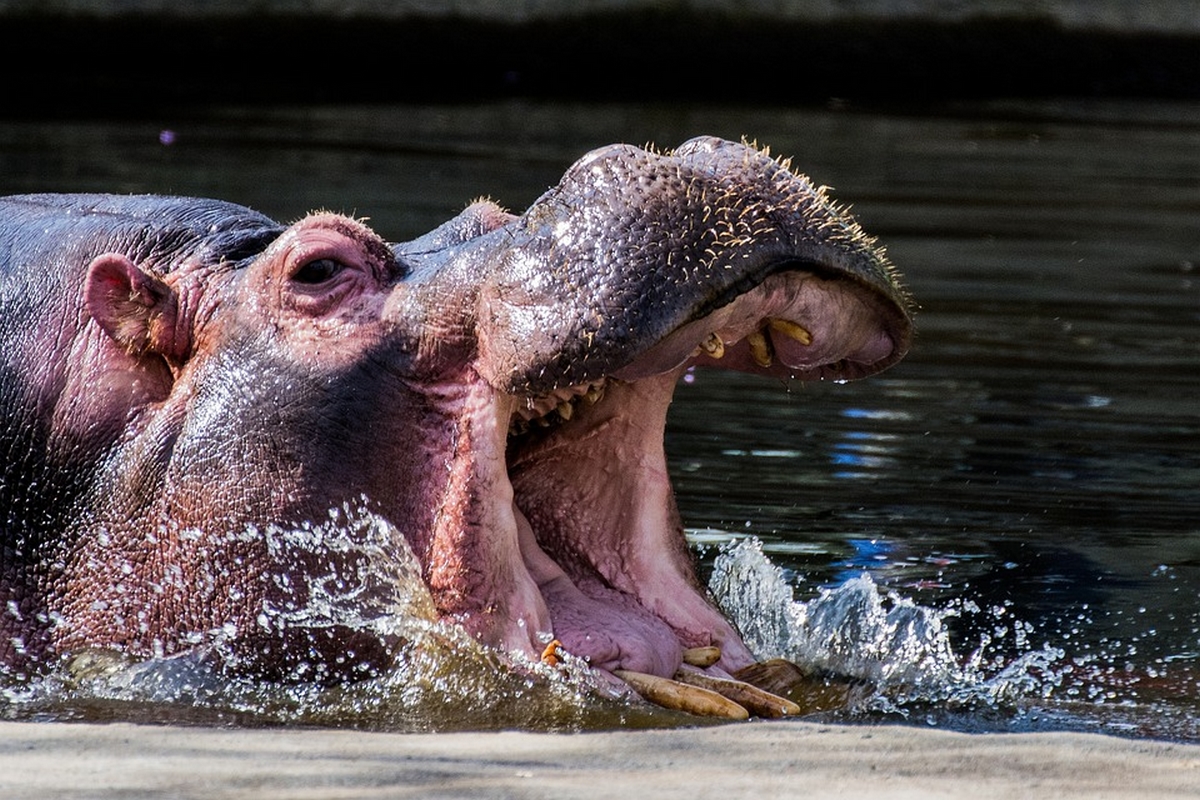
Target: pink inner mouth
<point x="598" y="497"/>
<point x="571" y="530"/>
<point x="843" y="329"/>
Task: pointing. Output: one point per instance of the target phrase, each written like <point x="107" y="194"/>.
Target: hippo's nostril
<point x="700" y="144"/>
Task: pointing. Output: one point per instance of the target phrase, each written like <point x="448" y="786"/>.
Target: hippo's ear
<point x="487" y="215"/>
<point x="137" y="310"/>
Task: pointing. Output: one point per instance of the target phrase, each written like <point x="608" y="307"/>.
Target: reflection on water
<point x="1002" y="531"/>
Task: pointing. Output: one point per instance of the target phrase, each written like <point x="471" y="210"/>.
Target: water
<point x="999" y="533"/>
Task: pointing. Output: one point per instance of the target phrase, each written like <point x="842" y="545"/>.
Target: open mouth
<point x="637" y="266"/>
<point x="592" y="499"/>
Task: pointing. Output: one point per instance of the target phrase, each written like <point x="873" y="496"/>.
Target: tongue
<point x="609" y="629"/>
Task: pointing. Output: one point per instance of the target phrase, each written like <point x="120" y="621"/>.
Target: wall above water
<point x="100" y="56"/>
<point x="1116" y="16"/>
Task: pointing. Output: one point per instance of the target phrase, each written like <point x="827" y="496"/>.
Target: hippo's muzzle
<point x="636" y="267"/>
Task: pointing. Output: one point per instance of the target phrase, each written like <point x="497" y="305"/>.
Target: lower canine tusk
<point x="758" y="702"/>
<point x="553" y="653"/>
<point x="702" y="656"/>
<point x="681" y="696"/>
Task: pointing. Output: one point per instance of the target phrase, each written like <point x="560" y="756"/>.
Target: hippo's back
<point x="67" y="230"/>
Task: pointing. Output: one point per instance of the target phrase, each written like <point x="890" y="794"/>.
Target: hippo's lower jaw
<point x="592" y="505"/>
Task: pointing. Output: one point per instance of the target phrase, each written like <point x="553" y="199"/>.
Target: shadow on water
<point x="999" y="533"/>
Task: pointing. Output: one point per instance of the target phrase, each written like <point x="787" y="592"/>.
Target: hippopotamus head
<point x="495" y="390"/>
<point x="584" y="311"/>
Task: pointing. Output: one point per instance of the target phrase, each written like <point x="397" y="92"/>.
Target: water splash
<point x="359" y="576"/>
<point x="856" y="630"/>
<point x="362" y="577"/>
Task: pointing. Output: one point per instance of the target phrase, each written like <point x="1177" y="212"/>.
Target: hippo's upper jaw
<point x="636" y="267"/>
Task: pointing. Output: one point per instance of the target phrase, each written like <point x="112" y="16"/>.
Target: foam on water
<point x="900" y="656"/>
<point x="901" y="649"/>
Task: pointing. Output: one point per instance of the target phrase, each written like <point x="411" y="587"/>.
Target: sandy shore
<point x="759" y="760"/>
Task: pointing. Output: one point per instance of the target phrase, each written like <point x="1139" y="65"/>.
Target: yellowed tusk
<point x="791" y="330"/>
<point x="702" y="656"/>
<point x="775" y="675"/>
<point x="760" y="349"/>
<point x="553" y="653"/>
<point x="681" y="696"/>
<point x="757" y="701"/>
<point x="713" y="346"/>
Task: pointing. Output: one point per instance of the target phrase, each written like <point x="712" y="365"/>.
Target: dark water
<point x="1022" y="493"/>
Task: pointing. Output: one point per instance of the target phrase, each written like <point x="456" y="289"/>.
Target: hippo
<point x="183" y="376"/>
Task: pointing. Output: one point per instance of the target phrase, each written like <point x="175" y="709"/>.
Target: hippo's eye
<point x="318" y="271"/>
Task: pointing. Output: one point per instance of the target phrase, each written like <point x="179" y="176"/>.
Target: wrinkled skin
<point x="180" y="374"/>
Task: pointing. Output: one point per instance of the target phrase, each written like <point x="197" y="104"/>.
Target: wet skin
<point x="180" y="375"/>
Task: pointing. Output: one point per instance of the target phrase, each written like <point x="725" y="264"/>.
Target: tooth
<point x="758" y="702"/>
<point x="760" y="349"/>
<point x="774" y="675"/>
<point x="701" y="656"/>
<point x="714" y="346"/>
<point x="594" y="393"/>
<point x="681" y="696"/>
<point x="552" y="655"/>
<point x="565" y="410"/>
<point x="791" y="330"/>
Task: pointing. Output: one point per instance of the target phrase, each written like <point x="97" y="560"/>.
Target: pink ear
<point x="137" y="310"/>
<point x="488" y="215"/>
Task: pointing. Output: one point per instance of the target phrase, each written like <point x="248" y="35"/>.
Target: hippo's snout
<point x="633" y="248"/>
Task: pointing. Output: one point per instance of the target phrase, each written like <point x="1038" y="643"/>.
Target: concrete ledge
<point x="752" y="760"/>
